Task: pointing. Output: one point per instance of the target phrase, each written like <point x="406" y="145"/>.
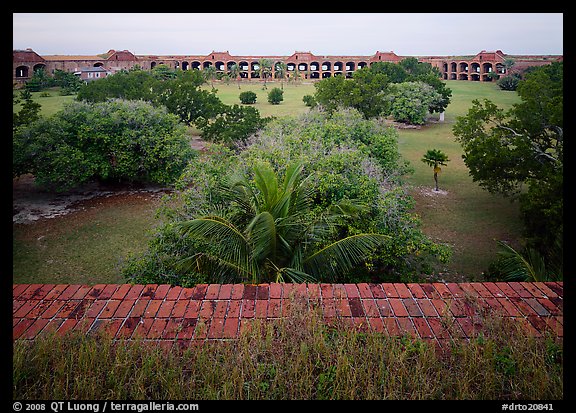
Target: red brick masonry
<point x="213" y="311"/>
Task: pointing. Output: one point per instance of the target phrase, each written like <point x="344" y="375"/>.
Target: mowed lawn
<point x="71" y="249"/>
<point x="467" y="217"/>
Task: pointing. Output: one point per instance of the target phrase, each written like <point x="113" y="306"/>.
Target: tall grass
<point x="297" y="357"/>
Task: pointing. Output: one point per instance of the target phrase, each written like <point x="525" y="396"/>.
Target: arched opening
<point x="185" y="65"/>
<point x="362" y="65"/>
<point x="326" y="66"/>
<point x="98" y="64"/>
<point x="230" y="65"/>
<point x="152" y="65"/>
<point x="39" y="66"/>
<point x="290" y="67"/>
<point x="244" y="68"/>
<point x="462" y="76"/>
<point x="314" y="66"/>
<point x="206" y="65"/>
<point x="338" y="66"/>
<point x="453" y="66"/>
<point x="22" y="71"/>
<point x="500" y="68"/>
<point x="220" y="67"/>
<point x="302" y="67"/>
<point x="463" y="67"/>
<point x="475" y="77"/>
<point x="452" y="76"/>
<point x="196" y="65"/>
<point x="475" y="67"/>
<point x="487" y="67"/>
<point x="350" y="66"/>
<point x="326" y="75"/>
<point x="314" y="75"/>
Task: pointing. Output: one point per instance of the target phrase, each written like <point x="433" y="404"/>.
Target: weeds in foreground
<point x="297" y="357"/>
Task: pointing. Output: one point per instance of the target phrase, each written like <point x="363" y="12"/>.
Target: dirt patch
<point x="31" y="204"/>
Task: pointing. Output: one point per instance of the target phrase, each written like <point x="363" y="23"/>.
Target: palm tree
<point x="210" y="73"/>
<point x="434" y="158"/>
<point x="264" y="68"/>
<point x="281" y="69"/>
<point x="234" y="73"/>
<point x="274" y="234"/>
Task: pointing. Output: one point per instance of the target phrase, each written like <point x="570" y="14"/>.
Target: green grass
<point x="468" y="217"/>
<point x="50" y="104"/>
<point x="292" y="105"/>
<point x="84" y="247"/>
<point x="296" y="357"/>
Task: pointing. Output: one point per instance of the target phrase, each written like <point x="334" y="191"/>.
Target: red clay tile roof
<point x="173" y="315"/>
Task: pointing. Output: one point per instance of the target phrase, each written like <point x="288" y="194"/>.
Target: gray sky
<point x="283" y="33"/>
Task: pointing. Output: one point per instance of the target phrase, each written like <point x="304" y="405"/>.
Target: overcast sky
<point x="283" y="33"/>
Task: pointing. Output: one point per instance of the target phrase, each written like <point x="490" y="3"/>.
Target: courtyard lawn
<point x="466" y="217"/>
<point x="50" y="104"/>
<point x="292" y="105"/>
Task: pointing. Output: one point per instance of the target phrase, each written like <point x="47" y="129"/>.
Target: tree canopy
<point x="507" y="151"/>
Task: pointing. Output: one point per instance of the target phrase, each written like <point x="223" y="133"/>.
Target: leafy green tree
<point x="28" y="113"/>
<point x="275" y="236"/>
<point x="275" y="96"/>
<point x="118" y="140"/>
<point x="411" y="101"/>
<point x="39" y="80"/>
<point x="163" y="72"/>
<point x="69" y="82"/>
<point x="434" y="158"/>
<point x="508" y="150"/>
<point x="129" y="85"/>
<point x="183" y="97"/>
<point x="364" y="92"/>
<point x="231" y="125"/>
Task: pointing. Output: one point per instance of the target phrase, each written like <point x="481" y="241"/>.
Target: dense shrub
<point x="118" y="140"/>
<point x="347" y="157"/>
<point x="275" y="96"/>
<point x="309" y="101"/>
<point x="248" y="97"/>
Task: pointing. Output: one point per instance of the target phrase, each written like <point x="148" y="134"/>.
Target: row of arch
<point x="251" y="69"/>
<point x="472" y="71"/>
<point x="314" y="70"/>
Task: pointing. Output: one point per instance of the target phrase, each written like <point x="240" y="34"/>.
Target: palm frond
<point x="341" y="256"/>
<point x="229" y="243"/>
<point x="516" y="266"/>
<point x="294" y="275"/>
<point x="218" y="269"/>
<point x="261" y="233"/>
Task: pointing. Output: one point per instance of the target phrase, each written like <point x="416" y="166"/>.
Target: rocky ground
<point x="30" y="204"/>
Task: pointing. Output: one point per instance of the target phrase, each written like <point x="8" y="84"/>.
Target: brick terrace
<point x="179" y="315"/>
